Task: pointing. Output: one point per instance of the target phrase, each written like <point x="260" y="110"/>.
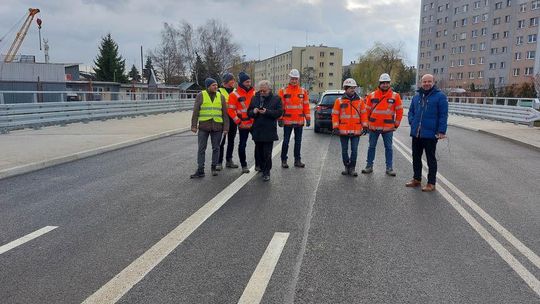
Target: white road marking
<point x="527" y="276"/>
<point x="26" y="238"/>
<point x="528" y="253"/>
<point x="113" y="290"/>
<point x="260" y="278"/>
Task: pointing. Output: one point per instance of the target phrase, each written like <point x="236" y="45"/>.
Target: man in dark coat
<point x="265" y="108"/>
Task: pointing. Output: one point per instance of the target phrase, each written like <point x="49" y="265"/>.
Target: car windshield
<point x="329" y="99"/>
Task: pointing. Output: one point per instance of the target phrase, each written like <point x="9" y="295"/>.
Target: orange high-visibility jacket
<point x="238" y="105"/>
<point x="295" y="101"/>
<point x="349" y="115"/>
<point x="384" y="110"/>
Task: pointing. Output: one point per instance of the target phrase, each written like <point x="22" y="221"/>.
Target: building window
<point x="463" y="36"/>
<point x="465" y="8"/>
<point x="492" y="66"/>
<point x="531" y="54"/>
<point x="494" y="51"/>
<point x="439" y="8"/>
<point x="495" y="36"/>
<point x="485" y="17"/>
<point x="330" y="74"/>
<point x="506" y="34"/>
<point x="462" y="49"/>
<point x="507" y="18"/>
<point x="455" y="24"/>
<point x="517" y="56"/>
<point x="321" y="54"/>
<point x="454" y="37"/>
<point x="508" y="3"/>
<point x="501" y="80"/>
<point x="515" y="72"/>
<point x="445" y="33"/>
<point x="476" y="19"/>
<point x="461" y="62"/>
<point x="464" y="22"/>
<point x="330" y="84"/>
<point x="529" y="71"/>
<point x="456" y="10"/>
<point x="482" y="46"/>
<point x="535" y="4"/>
<point x="502" y="65"/>
<point x="480" y="60"/>
<point x="446" y="19"/>
<point x="483" y="31"/>
<point x="519" y="40"/>
<point x="472" y="61"/>
<point x="533" y="21"/>
<point x="521" y="24"/>
<point x="532" y="38"/>
<point x="451" y="76"/>
<point x="320" y="85"/>
<point x="474" y="33"/>
<point x="311" y="57"/>
<point x="473" y="47"/>
<point x="480" y="74"/>
<point x="523" y="7"/>
<point x="331" y="53"/>
<point x="460" y="75"/>
<point x="321" y="64"/>
<point x="452" y="64"/>
<point x="498" y="5"/>
<point x="321" y="74"/>
<point x="471" y="75"/>
<point x="497" y="21"/>
<point x="504" y="49"/>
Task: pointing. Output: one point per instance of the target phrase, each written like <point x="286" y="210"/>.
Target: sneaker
<point x="219" y="167"/>
<point x="257" y="168"/>
<point x="266" y="178"/>
<point x="284" y="164"/>
<point x="299" y="164"/>
<point x="428" y="188"/>
<point x="367" y="170"/>
<point x="231" y="164"/>
<point x="346" y="171"/>
<point x="245" y="169"/>
<point x="390" y="172"/>
<point x="413" y="183"/>
<point x="199" y="173"/>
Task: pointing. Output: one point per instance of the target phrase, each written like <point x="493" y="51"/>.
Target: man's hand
<point x="225" y="132"/>
<point x="308" y="123"/>
<point x="256" y="110"/>
<point x="364" y="130"/>
<point x="262" y="111"/>
<point x="194" y="129"/>
<point x="440" y="136"/>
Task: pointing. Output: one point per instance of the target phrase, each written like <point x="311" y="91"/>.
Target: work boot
<point x="367" y="170"/>
<point x="199" y="173"/>
<point x="245" y="169"/>
<point x="257" y="168"/>
<point x="352" y="171"/>
<point x="346" y="171"/>
<point x="231" y="164"/>
<point x="284" y="164"/>
<point x="390" y="172"/>
<point x="299" y="164"/>
<point x="266" y="178"/>
<point x="413" y="183"/>
<point x="219" y="167"/>
<point x="214" y="171"/>
<point x="428" y="188"/>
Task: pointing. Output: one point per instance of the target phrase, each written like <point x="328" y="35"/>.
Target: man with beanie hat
<point x="226" y="89"/>
<point x="238" y="105"/>
<point x="210" y="113"/>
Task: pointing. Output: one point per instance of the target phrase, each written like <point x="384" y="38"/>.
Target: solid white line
<point x="26" y="238"/>
<point x="528" y="277"/>
<point x="261" y="276"/>
<point x="528" y="253"/>
<point x="113" y="290"/>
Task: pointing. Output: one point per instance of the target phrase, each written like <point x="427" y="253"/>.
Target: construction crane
<point x="20" y="35"/>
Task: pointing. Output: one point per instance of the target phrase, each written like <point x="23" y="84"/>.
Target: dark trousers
<point x="287" y="131"/>
<point x="349" y="161"/>
<point x="230" y="142"/>
<point x="244" y="135"/>
<point x="418" y="147"/>
<point x="215" y="137"/>
<point x="263" y="155"/>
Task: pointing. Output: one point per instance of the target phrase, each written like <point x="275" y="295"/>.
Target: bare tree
<point x="167" y="56"/>
<point x="188" y="48"/>
<point x="216" y="34"/>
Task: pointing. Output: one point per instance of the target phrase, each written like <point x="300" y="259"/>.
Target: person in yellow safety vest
<point x="209" y="119"/>
<point x="227" y="88"/>
<point x="295" y="111"/>
<point x="384" y="116"/>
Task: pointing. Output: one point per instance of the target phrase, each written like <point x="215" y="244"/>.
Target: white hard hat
<point x="349" y="82"/>
<point x="294" y="73"/>
<point x="384" y="77"/>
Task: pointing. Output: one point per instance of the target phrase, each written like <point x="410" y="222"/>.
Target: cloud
<point x="74" y="28"/>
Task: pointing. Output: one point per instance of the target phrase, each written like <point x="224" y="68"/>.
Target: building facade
<point x="479" y="43"/>
<point x="320" y="68"/>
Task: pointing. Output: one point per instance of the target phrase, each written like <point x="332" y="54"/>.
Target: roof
<point x="185" y="85"/>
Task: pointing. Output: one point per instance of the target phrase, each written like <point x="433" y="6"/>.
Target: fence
<point x="516" y="110"/>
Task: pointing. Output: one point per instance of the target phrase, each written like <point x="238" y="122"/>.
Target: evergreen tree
<point x="134" y="74"/>
<point x="109" y="64"/>
<point x="211" y="62"/>
<point x="149" y="66"/>
<point x="199" y="72"/>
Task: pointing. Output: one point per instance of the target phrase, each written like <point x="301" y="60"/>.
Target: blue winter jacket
<point x="428" y="113"/>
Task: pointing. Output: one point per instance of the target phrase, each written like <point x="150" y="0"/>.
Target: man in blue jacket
<point x="428" y="118"/>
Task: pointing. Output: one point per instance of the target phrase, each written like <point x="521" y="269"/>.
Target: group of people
<point x="219" y="113"/>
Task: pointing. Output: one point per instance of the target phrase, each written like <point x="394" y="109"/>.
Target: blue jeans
<point x="287" y="130"/>
<point x="349" y="161"/>
<point x="387" y="139"/>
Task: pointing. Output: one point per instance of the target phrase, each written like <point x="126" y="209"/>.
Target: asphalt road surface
<point x="130" y="226"/>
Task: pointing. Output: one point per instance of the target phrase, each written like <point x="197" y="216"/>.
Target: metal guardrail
<point x="516" y="110"/>
<point x="37" y="115"/>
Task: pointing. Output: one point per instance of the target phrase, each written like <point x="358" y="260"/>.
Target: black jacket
<point x="265" y="125"/>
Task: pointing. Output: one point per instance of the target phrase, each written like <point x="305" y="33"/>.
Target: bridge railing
<point x="37" y="115"/>
<point x="516" y="110"/>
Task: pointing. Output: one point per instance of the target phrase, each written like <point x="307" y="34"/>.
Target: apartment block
<point x="479" y="42"/>
<point x="320" y="68"/>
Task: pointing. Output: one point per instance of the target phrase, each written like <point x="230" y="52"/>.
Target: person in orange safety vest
<point x="295" y="111"/>
<point x="384" y="115"/>
<point x="349" y="120"/>
<point x="238" y="105"/>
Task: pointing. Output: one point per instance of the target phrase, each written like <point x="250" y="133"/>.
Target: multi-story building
<point x="480" y="42"/>
<point x="320" y="68"/>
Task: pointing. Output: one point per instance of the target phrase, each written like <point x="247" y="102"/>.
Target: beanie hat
<point x="227" y="77"/>
<point x="243" y="77"/>
<point x="209" y="81"/>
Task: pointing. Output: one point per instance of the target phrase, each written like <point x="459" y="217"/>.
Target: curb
<point x="518" y="142"/>
<point x="84" y="154"/>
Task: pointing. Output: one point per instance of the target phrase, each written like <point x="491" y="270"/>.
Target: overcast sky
<point x="74" y="27"/>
